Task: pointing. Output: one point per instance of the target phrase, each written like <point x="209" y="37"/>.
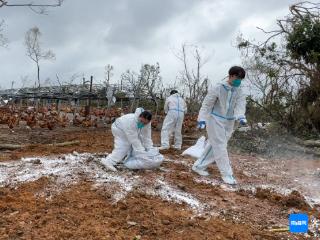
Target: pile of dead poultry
<point x="49" y="117"/>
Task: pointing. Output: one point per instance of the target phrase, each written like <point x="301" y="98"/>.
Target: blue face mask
<point x="140" y="125"/>
<point x="236" y="83"/>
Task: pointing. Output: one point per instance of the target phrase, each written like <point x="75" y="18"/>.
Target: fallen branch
<point x="312" y="143"/>
<point x="284" y="229"/>
<point x="16" y="146"/>
<point x="64" y="144"/>
<point x="10" y="146"/>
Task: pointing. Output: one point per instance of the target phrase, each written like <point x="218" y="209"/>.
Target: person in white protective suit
<point x="223" y="105"/>
<point x="130" y="132"/>
<point x="175" y="107"/>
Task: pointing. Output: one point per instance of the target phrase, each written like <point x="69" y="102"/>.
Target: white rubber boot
<point x="229" y="179"/>
<point x="200" y="171"/>
<point x="108" y="165"/>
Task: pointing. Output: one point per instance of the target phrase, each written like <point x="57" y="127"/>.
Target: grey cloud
<point x="233" y="16"/>
<point x="140" y="19"/>
<point x="126" y="33"/>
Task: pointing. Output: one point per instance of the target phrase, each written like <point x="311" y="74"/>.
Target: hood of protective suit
<point x="138" y="112"/>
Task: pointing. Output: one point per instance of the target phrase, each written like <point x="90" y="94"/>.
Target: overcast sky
<point x="88" y="35"/>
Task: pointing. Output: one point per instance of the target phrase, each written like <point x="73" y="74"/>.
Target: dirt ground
<point x="61" y="193"/>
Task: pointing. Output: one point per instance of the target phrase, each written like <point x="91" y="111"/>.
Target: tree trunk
<point x="132" y="105"/>
<point x="157" y="107"/>
<point x="38" y="72"/>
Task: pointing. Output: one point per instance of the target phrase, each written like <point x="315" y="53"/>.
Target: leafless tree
<point x="12" y="84"/>
<point x="36" y="7"/>
<point x="134" y="83"/>
<point x="66" y="85"/>
<point x="263" y="79"/>
<point x="131" y="79"/>
<point x="152" y="82"/>
<point x="34" y="51"/>
<point x="151" y="79"/>
<point x="24" y="81"/>
<point x="108" y="74"/>
<point x="73" y="78"/>
<point x="191" y="77"/>
<point x="39" y="8"/>
<point x="69" y="81"/>
<point x="3" y="39"/>
<point x="147" y="84"/>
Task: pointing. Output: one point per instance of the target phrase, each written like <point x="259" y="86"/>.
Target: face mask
<point x="236" y="83"/>
<point x="140" y="125"/>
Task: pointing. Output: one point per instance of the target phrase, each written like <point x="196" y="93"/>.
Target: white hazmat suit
<point x="175" y="107"/>
<point x="128" y="137"/>
<point x="221" y="107"/>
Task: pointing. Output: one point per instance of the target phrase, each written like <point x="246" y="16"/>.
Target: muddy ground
<point x="50" y="192"/>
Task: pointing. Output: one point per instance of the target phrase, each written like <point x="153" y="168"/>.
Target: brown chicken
<point x="77" y="121"/>
<point x="62" y="121"/>
<point x="43" y="124"/>
<point x="95" y="123"/>
<point x="65" y="121"/>
<point x="190" y="123"/>
<point x="87" y="123"/>
<point x="51" y="124"/>
<point x="82" y="112"/>
<point x="31" y="120"/>
<point x="4" y="118"/>
<point x="13" y="121"/>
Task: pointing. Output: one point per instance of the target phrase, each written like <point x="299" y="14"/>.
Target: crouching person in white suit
<point x="130" y="132"/>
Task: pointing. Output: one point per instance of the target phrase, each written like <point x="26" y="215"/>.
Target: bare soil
<point x="34" y="209"/>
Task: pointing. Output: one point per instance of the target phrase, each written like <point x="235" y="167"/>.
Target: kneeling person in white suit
<point x="222" y="106"/>
<point x="131" y="131"/>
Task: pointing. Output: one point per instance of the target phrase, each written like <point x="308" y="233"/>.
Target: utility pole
<point x="87" y="109"/>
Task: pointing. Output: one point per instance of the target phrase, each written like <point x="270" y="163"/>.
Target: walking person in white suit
<point x="223" y="105"/>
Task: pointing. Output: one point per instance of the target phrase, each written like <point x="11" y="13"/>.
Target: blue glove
<point x="201" y="124"/>
<point x="243" y="121"/>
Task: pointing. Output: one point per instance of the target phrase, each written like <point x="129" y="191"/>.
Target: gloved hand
<point x="242" y="121"/>
<point x="201" y="124"/>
